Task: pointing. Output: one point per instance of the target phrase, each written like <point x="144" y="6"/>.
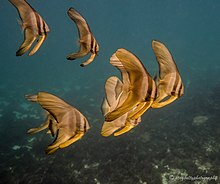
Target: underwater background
<point x="177" y="144"/>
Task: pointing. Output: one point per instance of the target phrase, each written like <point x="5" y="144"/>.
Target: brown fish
<point x="170" y="83"/>
<point x="138" y="93"/>
<point x="142" y="87"/>
<point x="64" y="121"/>
<point x="88" y="43"/>
<point x="116" y="93"/>
<point x="33" y="25"/>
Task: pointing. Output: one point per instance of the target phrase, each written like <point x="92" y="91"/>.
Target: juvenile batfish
<point x="87" y="41"/>
<point x="116" y="93"/>
<point x="139" y="92"/>
<point x="169" y="83"/>
<point x="64" y="122"/>
<point x="33" y="25"/>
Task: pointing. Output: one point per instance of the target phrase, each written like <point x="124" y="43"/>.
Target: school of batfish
<point x="125" y="101"/>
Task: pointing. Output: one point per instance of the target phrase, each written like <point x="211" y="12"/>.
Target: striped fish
<point x="33" y="25"/>
<point x="170" y="83"/>
<point x="116" y="93"/>
<point x="139" y="92"/>
<point x="65" y="122"/>
<point x="87" y="41"/>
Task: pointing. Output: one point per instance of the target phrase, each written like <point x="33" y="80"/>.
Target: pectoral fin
<point x="43" y="126"/>
<point x="38" y="129"/>
<point x="48" y="132"/>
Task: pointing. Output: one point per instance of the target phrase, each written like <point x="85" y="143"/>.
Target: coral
<point x="199" y="120"/>
<point x="205" y="167"/>
<point x="16" y="147"/>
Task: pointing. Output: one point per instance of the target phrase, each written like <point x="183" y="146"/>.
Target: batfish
<point x="116" y="93"/>
<point x="33" y="25"/>
<point x="88" y="43"/>
<point x="142" y="88"/>
<point x="64" y="121"/>
<point x="137" y="95"/>
<point x="169" y="83"/>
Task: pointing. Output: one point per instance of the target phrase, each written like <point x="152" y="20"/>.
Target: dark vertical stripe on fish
<point x="180" y="89"/>
<point x="149" y="89"/>
<point x="38" y="23"/>
<point x="92" y="44"/>
<point x="96" y="48"/>
<point x="84" y="130"/>
<point x="44" y="27"/>
<point x="175" y="83"/>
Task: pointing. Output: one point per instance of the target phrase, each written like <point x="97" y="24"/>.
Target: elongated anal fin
<point x="140" y="110"/>
<point x="51" y="150"/>
<point x="72" y="140"/>
<point x="62" y="144"/>
<point x="128" y="105"/>
<point x="109" y="128"/>
<point x="61" y="138"/>
<point x="127" y="128"/>
<point x="164" y="103"/>
<point x="91" y="58"/>
<point x="38" y="44"/>
<point x="136" y="109"/>
<point x="27" y="43"/>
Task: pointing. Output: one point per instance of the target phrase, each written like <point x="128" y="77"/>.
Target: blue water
<point x="179" y="140"/>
